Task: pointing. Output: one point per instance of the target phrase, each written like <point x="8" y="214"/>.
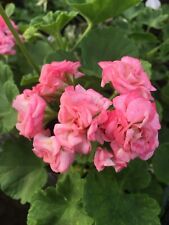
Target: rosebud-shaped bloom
<point x="103" y="158"/>
<point x="132" y="128"/>
<point x="56" y="76"/>
<point x="126" y="75"/>
<point x="77" y="111"/>
<point x="31" y="108"/>
<point x="51" y="151"/>
<point x="7" y="41"/>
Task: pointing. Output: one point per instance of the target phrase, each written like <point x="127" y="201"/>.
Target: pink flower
<point x="31" y="108"/>
<point x="7" y="41"/>
<point x="103" y="158"/>
<point x="126" y="75"/>
<point x="47" y="92"/>
<point x="46" y="147"/>
<point x="51" y="151"/>
<point x="56" y="76"/>
<point x="74" y="139"/>
<point x="79" y="106"/>
<point x="132" y="128"/>
<point x="62" y="161"/>
<point x="96" y="131"/>
<point x="77" y="110"/>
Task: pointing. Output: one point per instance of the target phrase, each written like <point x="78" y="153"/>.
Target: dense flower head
<point x="132" y="128"/>
<point x="64" y="120"/>
<point x="126" y="75"/>
<point x="7" y="41"/>
<point x="78" y="108"/>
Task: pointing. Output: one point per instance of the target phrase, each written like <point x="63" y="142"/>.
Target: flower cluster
<point x="7" y="41"/>
<point x="123" y="128"/>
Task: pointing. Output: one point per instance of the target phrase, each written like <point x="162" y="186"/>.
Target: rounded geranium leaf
<point x="107" y="46"/>
<point x="8" y="91"/>
<point x="61" y="205"/>
<point x="136" y="176"/>
<point x="99" y="10"/>
<point x="108" y="204"/>
<point x="21" y="173"/>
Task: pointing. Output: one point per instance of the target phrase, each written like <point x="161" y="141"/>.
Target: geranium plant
<point x="84" y="103"/>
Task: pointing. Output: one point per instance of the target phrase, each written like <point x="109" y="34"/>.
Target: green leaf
<point x="163" y="135"/>
<point x="98" y="10"/>
<point x="165" y="94"/>
<point x="144" y="37"/>
<point x="105" y="44"/>
<point x="108" y="204"/>
<point x="164" y="51"/>
<point x="30" y="78"/>
<point x="9" y="9"/>
<point x="161" y="163"/>
<point x="30" y="32"/>
<point x="61" y="205"/>
<point x="134" y="11"/>
<point x="135" y="177"/>
<point x="39" y="50"/>
<point x="5" y="73"/>
<point x="21" y="172"/>
<point x="52" y="23"/>
<point x="147" y="67"/>
<point x="155" y="190"/>
<point x="159" y="109"/>
<point x="8" y="91"/>
<point x="154" y="19"/>
<point x="59" y="56"/>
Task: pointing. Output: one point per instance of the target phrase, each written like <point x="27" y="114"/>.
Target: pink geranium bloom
<point x="132" y="128"/>
<point x="74" y="139"/>
<point x="31" y="109"/>
<point x="55" y="77"/>
<point x="103" y="158"/>
<point x="47" y="92"/>
<point x="7" y="41"/>
<point x="126" y="75"/>
<point x="62" y="161"/>
<point x="96" y="131"/>
<point x="48" y="148"/>
<point x="78" y="108"/>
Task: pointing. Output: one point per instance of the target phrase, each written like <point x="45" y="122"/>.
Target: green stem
<point x="59" y="40"/>
<point x="113" y="95"/>
<point x="18" y="40"/>
<point x="89" y="27"/>
<point x="50" y="114"/>
<point x="153" y="51"/>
